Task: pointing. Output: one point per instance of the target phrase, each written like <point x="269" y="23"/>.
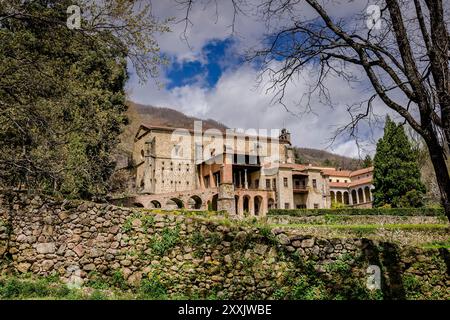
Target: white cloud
<point x="238" y="102"/>
<point x="207" y="23"/>
<point x="235" y="100"/>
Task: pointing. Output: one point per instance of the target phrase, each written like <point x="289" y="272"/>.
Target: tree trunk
<point x="442" y="174"/>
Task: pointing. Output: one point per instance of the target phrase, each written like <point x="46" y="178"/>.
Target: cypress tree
<point x="396" y="173"/>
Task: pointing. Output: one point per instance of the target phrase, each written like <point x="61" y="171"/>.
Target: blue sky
<point x="216" y="59"/>
<point x="207" y="77"/>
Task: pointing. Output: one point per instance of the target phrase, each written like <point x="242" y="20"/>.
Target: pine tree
<point x="396" y="173"/>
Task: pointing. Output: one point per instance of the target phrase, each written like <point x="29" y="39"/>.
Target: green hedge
<point x="355" y="211"/>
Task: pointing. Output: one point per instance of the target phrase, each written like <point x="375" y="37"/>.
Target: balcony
<point x="299" y="184"/>
<point x="300" y="189"/>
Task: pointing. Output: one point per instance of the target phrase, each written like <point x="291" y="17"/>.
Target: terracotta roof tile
<point x="339" y="184"/>
<point x="361" y="171"/>
<point x="361" y="181"/>
<point x="337" y="173"/>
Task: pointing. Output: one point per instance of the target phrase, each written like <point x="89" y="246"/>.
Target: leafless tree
<point x="406" y="61"/>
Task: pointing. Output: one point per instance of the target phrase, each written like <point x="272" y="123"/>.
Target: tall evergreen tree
<point x="396" y="173"/>
<point x="62" y="97"/>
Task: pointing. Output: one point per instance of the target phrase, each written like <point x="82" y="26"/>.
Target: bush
<point x="97" y="295"/>
<point x="118" y="280"/>
<point x="355" y="211"/>
<point x="168" y="239"/>
<point x="152" y="288"/>
<point x="412" y="199"/>
<point x="32" y="288"/>
<point x="337" y="205"/>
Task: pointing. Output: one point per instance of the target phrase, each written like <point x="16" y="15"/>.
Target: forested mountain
<point x="150" y="115"/>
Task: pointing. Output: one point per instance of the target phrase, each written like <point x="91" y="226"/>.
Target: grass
<point x="26" y="287"/>
<point x="31" y="287"/>
<point x="437" y="245"/>
<point x="185" y="212"/>
<point x="360" y="211"/>
<point x="395" y="226"/>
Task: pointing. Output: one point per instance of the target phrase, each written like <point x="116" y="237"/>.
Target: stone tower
<point x="285" y="140"/>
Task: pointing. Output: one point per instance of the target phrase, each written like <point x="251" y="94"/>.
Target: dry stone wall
<point x="195" y="256"/>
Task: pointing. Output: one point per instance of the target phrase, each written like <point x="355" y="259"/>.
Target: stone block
<point x="308" y="243"/>
<point x="43" y="248"/>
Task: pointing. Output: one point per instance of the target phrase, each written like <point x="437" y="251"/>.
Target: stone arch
<point x="257" y="203"/>
<point x="246" y="204"/>
<point x="155" y="204"/>
<point x="270" y="204"/>
<point x="367" y="194"/>
<point x="138" y="205"/>
<point x="174" y="203"/>
<point x="354" y="197"/>
<point x="346" y="198"/>
<point x="339" y="197"/>
<point x="195" y="202"/>
<point x="360" y="195"/>
<point x="333" y="196"/>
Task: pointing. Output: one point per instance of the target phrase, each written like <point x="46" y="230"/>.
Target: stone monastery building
<point x="244" y="174"/>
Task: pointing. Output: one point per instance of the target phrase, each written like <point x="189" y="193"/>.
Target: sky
<point x="207" y="77"/>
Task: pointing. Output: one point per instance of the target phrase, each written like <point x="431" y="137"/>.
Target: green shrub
<point x="357" y="211"/>
<point x="62" y="291"/>
<point x="308" y="288"/>
<point x="335" y="218"/>
<point x="214" y="239"/>
<point x="10" y="288"/>
<point x="147" y="222"/>
<point x="412" y="199"/>
<point x="412" y="287"/>
<point x="279" y="294"/>
<point x="337" y="205"/>
<point x="168" y="239"/>
<point x="197" y="239"/>
<point x="152" y="288"/>
<point x="29" y="288"/>
<point x="127" y="226"/>
<point x="97" y="295"/>
<point x="96" y="281"/>
<point x="338" y="266"/>
<point x="118" y="280"/>
<point x="265" y="231"/>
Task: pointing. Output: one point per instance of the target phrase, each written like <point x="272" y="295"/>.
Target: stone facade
<point x="196" y="256"/>
<point x="352" y="188"/>
<point x="257" y="173"/>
